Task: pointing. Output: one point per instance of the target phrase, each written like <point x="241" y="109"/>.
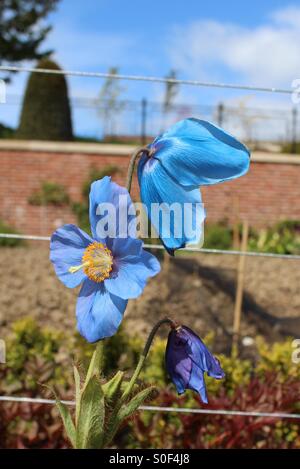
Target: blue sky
<point x="255" y="42"/>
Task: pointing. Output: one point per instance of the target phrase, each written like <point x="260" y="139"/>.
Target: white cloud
<point x="268" y="54"/>
<point x="289" y="16"/>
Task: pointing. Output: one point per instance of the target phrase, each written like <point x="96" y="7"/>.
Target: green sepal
<point x="112" y="388"/>
<point x="91" y="418"/>
<point x="77" y="393"/>
<point x="67" y="421"/>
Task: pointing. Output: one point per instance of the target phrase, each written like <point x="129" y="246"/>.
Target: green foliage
<point x="190" y="431"/>
<point x="67" y="421"/>
<point x="9" y="242"/>
<point x="23" y="29"/>
<point x="51" y="193"/>
<point x="217" y="236"/>
<point x="6" y="132"/>
<point x="155" y="369"/>
<point x="101" y="405"/>
<point x="81" y="209"/>
<point x="291" y="148"/>
<point x="283" y="238"/>
<point x="39" y="356"/>
<point x="91" y="416"/>
<point x="277" y="358"/>
<point x="120" y="351"/>
<point x="34" y="356"/>
<point x="46" y="113"/>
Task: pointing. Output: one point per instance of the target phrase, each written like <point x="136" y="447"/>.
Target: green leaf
<point x="77" y="392"/>
<point x="90" y="427"/>
<point x="67" y="421"/>
<point x="126" y="410"/>
<point x="96" y="363"/>
<point x="113" y="386"/>
<point x="130" y="407"/>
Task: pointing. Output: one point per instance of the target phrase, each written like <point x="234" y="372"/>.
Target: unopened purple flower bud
<point x="187" y="359"/>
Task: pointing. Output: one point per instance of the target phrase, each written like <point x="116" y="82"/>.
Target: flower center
<point x="97" y="262"/>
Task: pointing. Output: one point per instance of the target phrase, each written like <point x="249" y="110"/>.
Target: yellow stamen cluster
<point x="97" y="262"/>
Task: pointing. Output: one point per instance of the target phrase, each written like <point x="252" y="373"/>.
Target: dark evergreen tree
<point x="46" y="113"/>
<point x="21" y="29"/>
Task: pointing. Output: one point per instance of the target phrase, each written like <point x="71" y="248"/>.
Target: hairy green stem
<point x="131" y="166"/>
<point x="144" y="354"/>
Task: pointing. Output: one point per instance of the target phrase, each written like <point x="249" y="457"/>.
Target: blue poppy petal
<point x="202" y="357"/>
<point x="195" y="152"/>
<point x="132" y="268"/>
<point x="99" y="313"/>
<point x="126" y="247"/>
<point x="67" y="246"/>
<point x="179" y="382"/>
<point x="197" y="383"/>
<point x="178" y="363"/>
<point x="115" y="204"/>
<point x="157" y="187"/>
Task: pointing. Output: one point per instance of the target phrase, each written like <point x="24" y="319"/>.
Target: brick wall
<point x="270" y="192"/>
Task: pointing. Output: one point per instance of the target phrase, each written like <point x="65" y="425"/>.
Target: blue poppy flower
<point x="110" y="269"/>
<point x="187" y="359"/>
<point x="190" y="154"/>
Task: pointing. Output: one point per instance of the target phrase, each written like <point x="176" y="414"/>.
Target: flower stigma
<point x="97" y="262"/>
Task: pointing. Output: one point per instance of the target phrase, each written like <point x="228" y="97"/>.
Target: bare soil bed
<point x="196" y="290"/>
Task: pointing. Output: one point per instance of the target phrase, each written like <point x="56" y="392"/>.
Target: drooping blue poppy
<point x="190" y="154"/>
<point x="111" y="268"/>
<point x="187" y="359"/>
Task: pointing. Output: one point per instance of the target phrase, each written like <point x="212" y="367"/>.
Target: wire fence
<point x="125" y="119"/>
<point x="182" y="410"/>
<point x="153" y="79"/>
<point x="228" y="252"/>
<point x="221" y="114"/>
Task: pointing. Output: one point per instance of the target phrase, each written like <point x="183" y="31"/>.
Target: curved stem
<point x="131" y="166"/>
<point x="144" y="354"/>
<point x="155" y="328"/>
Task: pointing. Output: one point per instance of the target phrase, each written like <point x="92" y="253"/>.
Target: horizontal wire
<point x="19" y="236"/>
<point x="229" y="252"/>
<point x="156" y="106"/>
<point x="185" y="410"/>
<point x="159" y="246"/>
<point x="146" y="78"/>
<point x="249" y="413"/>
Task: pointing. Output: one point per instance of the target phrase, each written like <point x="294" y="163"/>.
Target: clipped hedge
<point x="46" y="112"/>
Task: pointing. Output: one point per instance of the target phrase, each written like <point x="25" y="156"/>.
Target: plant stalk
<point x="144" y="354"/>
<point x="131" y="166"/>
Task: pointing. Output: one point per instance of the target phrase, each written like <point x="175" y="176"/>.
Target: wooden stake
<point x="240" y="287"/>
<point x="236" y="228"/>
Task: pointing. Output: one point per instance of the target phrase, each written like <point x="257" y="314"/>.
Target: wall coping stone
<point x="118" y="150"/>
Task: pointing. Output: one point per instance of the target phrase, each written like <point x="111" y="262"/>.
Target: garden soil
<point x="197" y="290"/>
